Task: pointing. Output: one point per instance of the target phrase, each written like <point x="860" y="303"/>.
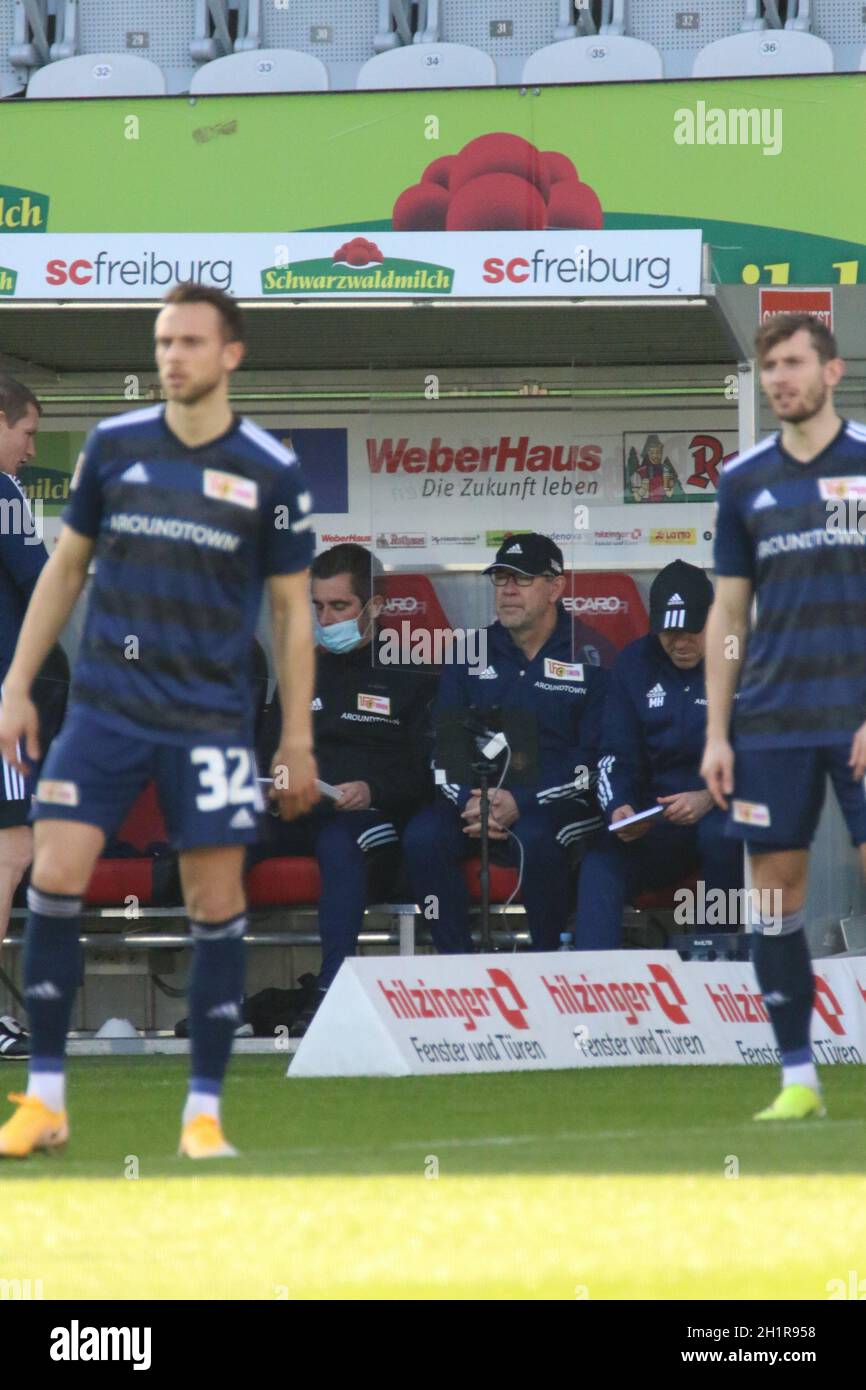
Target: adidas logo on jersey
<point x="242" y="820"/>
<point x="656" y="696"/>
<point x="488" y="674"/>
<point x="315" y="705"/>
<point x="763" y="499"/>
<point x="136" y="473"/>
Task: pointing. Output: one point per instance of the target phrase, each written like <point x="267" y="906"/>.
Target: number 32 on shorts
<point x="226" y="776"/>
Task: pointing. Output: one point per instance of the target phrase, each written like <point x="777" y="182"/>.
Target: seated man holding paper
<point x="652" y="745"/>
<point x="548" y="704"/>
<point x="372" y="743"/>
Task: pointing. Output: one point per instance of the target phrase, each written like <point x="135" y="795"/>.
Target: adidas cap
<point x="528" y="553"/>
<point x="680" y="599"/>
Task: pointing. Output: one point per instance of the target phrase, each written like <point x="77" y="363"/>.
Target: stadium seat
<point x="98" y="75"/>
<point x="23" y="43"/>
<point x="343" y="34"/>
<point x="776" y="53"/>
<point x="173" y="36"/>
<point x="604" y="58"/>
<point x="114" y="879"/>
<point x="679" y="28"/>
<point x="428" y="65"/>
<point x="410" y="598"/>
<point x="284" y="882"/>
<point x="503" y="881"/>
<point x="261" y="70"/>
<point x="508" y="30"/>
<point x="841" y="23"/>
<point x="607" y="602"/>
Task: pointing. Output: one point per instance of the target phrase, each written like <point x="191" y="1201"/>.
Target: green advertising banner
<point x="770" y="170"/>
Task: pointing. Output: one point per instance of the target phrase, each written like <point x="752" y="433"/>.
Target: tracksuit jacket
<point x="370" y="724"/>
<point x="565" y="697"/>
<point x="653" y="730"/>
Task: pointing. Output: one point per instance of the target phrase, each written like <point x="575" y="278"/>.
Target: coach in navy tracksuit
<point x="530" y="667"/>
<point x="651" y="749"/>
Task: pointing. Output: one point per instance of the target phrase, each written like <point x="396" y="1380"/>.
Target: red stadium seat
<point x="284" y="882"/>
<point x="114" y="880"/>
<point x="410" y="598"/>
<point x="609" y="603"/>
<point x="502" y="881"/>
<point x="144" y="822"/>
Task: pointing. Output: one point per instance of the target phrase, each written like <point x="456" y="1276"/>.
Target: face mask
<point x="338" y="637"/>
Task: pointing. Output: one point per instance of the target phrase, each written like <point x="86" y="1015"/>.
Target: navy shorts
<point x="207" y="788"/>
<point x="779" y="793"/>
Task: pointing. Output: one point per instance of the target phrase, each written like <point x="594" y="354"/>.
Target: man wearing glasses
<point x="531" y="667"/>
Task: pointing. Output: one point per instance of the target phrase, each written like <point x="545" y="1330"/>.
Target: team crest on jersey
<point x="751" y="813"/>
<point x="57" y="793"/>
<point x="563" y="670"/>
<point x="374" y="704"/>
<point x="229" y="487"/>
<point x="838" y="489"/>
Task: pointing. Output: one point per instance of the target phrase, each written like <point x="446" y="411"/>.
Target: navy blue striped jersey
<point x="185" y="538"/>
<point x="798" y="532"/>
<point x="22" y="556"/>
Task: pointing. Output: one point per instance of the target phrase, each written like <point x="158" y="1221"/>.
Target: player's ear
<point x="834" y="370"/>
<point x="234" y="354"/>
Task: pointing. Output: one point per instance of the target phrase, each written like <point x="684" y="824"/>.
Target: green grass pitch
<point x="558" y="1185"/>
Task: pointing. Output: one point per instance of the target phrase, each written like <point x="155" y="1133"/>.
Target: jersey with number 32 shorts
<point x="798" y="533"/>
<point x="185" y="539"/>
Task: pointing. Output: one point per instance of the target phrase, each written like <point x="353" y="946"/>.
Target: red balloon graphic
<point x="502" y="154"/>
<point x="439" y="171"/>
<point x="558" y="166"/>
<point x="421" y="208"/>
<point x="496" y="202"/>
<point x="574" y="205"/>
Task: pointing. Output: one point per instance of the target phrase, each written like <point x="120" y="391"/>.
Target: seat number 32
<point x="225" y="776"/>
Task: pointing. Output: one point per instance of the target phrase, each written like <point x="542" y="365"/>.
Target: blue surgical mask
<point x="338" y="637"/>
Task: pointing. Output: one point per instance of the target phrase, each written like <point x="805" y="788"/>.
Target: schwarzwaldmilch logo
<point x="22" y="210"/>
<point x="358" y="267"/>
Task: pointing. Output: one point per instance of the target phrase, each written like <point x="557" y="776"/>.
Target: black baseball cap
<point x="680" y="598"/>
<point x="527" y="552"/>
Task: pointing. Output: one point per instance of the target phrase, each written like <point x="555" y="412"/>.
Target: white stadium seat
<point x="508" y="30"/>
<point x="428" y="65"/>
<point x="842" y="23"/>
<point x="603" y="58"/>
<point x="680" y="28"/>
<point x="775" y="53"/>
<point x="173" y="34"/>
<point x="23" y="43"/>
<point x="98" y="75"/>
<point x="261" y="70"/>
<point x="342" y="34"/>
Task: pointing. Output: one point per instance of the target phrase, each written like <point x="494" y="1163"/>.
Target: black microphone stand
<point x="482" y="768"/>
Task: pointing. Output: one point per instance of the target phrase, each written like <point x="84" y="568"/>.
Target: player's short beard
<point x="814" y="404"/>
<point x="193" y="394"/>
